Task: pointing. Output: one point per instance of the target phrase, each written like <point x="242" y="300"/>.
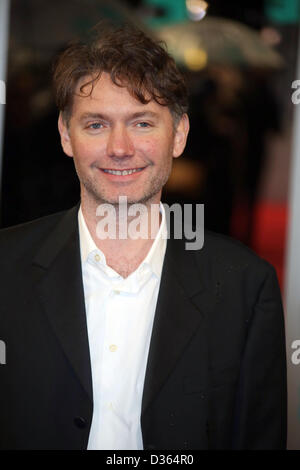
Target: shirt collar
<point x="154" y="258"/>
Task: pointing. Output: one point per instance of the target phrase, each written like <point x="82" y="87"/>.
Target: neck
<point x="123" y="232"/>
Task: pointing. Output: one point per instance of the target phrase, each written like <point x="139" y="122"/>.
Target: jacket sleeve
<point x="261" y="402"/>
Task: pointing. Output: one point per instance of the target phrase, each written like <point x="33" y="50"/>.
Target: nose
<point x="119" y="143"/>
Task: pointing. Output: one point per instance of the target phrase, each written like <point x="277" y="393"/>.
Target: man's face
<point x="120" y="146"/>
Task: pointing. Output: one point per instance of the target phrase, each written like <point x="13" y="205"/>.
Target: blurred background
<point x="239" y="59"/>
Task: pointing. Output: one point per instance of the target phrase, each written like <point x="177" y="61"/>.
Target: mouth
<point x="126" y="172"/>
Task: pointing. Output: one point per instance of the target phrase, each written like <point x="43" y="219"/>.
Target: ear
<point x="181" y="134"/>
<point x="64" y="136"/>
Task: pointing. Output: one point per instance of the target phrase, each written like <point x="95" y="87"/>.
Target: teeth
<point x="123" y="172"/>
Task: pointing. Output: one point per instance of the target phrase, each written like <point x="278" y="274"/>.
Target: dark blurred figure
<point x="231" y="112"/>
<point x="38" y="177"/>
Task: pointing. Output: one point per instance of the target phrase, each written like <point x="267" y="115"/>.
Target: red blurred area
<point x="268" y="233"/>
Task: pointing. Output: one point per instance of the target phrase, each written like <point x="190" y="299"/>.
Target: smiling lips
<point x="122" y="172"/>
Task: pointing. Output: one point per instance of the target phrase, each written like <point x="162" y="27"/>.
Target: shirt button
<point x="113" y="347"/>
<point x="97" y="257"/>
<point x="80" y="422"/>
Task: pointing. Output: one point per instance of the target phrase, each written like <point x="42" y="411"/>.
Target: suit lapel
<point x="183" y="304"/>
<point x="60" y="291"/>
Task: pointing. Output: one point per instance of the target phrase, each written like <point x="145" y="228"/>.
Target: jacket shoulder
<point x="229" y="256"/>
<point x="26" y="236"/>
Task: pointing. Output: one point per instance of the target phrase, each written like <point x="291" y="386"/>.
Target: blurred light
<point x="270" y="36"/>
<point x="196" y="9"/>
<point x="195" y="58"/>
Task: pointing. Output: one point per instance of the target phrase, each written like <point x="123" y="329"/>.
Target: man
<point x="125" y="342"/>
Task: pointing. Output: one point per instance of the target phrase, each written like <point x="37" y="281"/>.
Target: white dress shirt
<point x="120" y="315"/>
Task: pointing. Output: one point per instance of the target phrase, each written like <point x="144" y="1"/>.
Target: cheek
<point x="85" y="150"/>
<point x="156" y="149"/>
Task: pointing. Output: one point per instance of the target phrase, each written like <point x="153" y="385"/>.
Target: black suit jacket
<point x="216" y="371"/>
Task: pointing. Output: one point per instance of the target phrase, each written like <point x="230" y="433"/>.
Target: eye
<point x="143" y="124"/>
<point x="95" y="125"/>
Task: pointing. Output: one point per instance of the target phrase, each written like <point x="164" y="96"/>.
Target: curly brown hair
<point x="132" y="59"/>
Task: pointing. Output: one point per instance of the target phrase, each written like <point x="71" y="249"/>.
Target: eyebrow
<point x="105" y="117"/>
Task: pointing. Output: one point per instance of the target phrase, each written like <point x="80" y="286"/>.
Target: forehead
<point x="105" y="95"/>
